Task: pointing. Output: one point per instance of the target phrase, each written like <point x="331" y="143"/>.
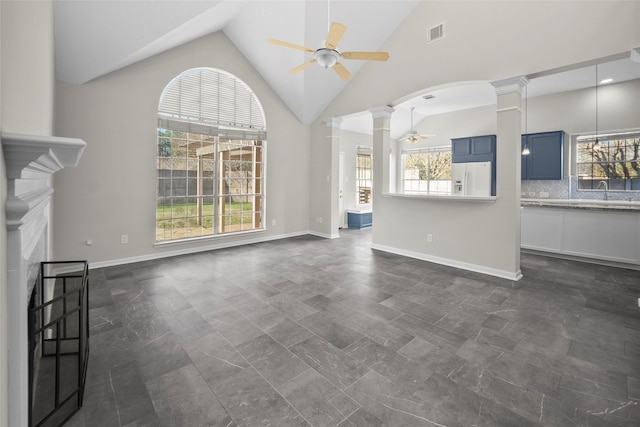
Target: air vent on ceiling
<point x="435" y="33"/>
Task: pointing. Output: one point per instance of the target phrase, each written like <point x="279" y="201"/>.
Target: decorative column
<point x="30" y="162"/>
<point x="333" y="141"/>
<point x="508" y="162"/>
<point x="381" y="150"/>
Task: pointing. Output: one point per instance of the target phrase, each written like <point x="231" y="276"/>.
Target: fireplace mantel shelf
<point x="39" y="156"/>
<point x="34" y="158"/>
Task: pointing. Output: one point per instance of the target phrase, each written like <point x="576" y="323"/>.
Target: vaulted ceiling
<point x="96" y="37"/>
<point x="93" y="38"/>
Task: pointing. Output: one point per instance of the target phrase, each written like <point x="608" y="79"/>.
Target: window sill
<point x="442" y="197"/>
<point x="206" y="238"/>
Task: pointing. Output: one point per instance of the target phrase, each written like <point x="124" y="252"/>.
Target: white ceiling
<point x="93" y="38"/>
<point x="96" y="37"/>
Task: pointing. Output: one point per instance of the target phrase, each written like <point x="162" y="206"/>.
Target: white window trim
<point x="591" y="136"/>
<point x="216" y="103"/>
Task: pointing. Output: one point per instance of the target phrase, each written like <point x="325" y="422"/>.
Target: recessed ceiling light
<point x="605" y="81"/>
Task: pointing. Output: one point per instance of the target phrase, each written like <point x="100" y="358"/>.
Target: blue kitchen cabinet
<point x="545" y="160"/>
<point x="473" y="149"/>
<point x="476" y="149"/>
<point x="357" y="219"/>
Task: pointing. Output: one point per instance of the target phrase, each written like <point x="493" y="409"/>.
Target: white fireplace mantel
<point x="30" y="162"/>
<point x="37" y="156"/>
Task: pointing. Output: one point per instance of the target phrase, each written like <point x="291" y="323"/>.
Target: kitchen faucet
<point x="606" y="188"/>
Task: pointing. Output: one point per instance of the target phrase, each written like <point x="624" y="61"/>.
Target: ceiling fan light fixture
<point x="411" y="137"/>
<point x="326" y="57"/>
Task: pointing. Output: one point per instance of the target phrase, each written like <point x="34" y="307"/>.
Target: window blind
<point x="213" y="97"/>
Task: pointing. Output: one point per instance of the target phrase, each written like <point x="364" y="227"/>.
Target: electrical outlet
<point x="124" y="239"/>
<point x="544" y="194"/>
<point x="319" y="219"/>
<point x="89" y="242"/>
<point x="273" y="222"/>
<point x="429" y="238"/>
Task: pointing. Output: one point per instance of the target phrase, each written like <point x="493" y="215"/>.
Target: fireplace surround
<point x="30" y="160"/>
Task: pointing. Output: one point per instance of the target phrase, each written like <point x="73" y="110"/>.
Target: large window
<point x="427" y="171"/>
<point x="610" y="162"/>
<point x="211" y="160"/>
<point x="364" y="177"/>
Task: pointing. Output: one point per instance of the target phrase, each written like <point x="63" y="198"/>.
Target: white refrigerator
<point x="471" y="179"/>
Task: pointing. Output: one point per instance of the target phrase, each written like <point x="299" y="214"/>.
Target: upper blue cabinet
<point x="473" y="149"/>
<point x="545" y="160"/>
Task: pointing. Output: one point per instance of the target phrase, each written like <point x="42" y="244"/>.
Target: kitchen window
<point x="426" y="170"/>
<point x="608" y="162"/>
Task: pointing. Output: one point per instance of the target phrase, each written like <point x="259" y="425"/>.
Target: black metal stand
<point x="58" y="342"/>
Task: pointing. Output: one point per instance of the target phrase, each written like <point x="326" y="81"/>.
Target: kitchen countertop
<point x="617" y="205"/>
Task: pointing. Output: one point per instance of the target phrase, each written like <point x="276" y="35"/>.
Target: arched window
<point x="211" y="157"/>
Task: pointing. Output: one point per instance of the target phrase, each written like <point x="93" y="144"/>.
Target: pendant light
<point x="525" y="149"/>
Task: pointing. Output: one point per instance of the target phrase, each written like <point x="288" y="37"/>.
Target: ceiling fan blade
<point x="335" y="35"/>
<point x="341" y="71"/>
<point x="412" y="137"/>
<point x="301" y="67"/>
<point x="369" y="56"/>
<point x="290" y="45"/>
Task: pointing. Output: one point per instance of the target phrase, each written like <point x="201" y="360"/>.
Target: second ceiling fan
<point x="413" y="136"/>
<point x="328" y="55"/>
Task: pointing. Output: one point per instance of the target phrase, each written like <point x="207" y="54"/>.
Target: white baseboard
<point x="192" y="250"/>
<point x="325" y="236"/>
<point x="451" y="263"/>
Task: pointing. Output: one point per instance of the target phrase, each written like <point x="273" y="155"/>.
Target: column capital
<point x="332" y="122"/>
<point x="382" y="111"/>
<point x="510" y="85"/>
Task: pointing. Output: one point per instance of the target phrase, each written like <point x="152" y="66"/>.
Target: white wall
<point x="320" y="190"/>
<point x="575" y="112"/>
<point x="28" y="67"/>
<point x="26" y="106"/>
<point x="485" y="41"/>
<point x="112" y="191"/>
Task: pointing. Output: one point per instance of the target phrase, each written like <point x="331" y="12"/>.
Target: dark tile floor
<point x="314" y="332"/>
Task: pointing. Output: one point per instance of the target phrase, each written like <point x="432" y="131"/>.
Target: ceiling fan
<point x="413" y="136"/>
<point x="328" y="55"/>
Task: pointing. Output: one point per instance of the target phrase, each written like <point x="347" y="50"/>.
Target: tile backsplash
<point x="567" y="188"/>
